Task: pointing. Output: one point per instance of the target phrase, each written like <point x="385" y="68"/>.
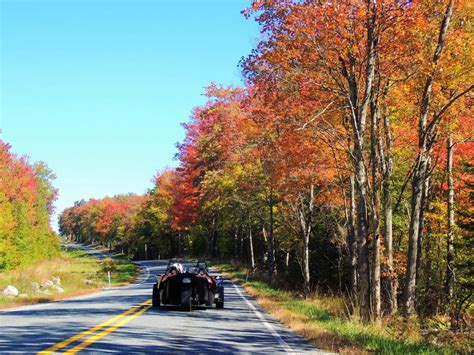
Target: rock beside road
<point x="48" y="283"/>
<point x="51" y="286"/>
<point x="48" y="288"/>
<point x="11" y="291"/>
<point x="56" y="280"/>
<point x="57" y="289"/>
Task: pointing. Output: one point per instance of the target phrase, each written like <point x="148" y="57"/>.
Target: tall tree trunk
<point x="236" y="242"/>
<point x="265" y="239"/>
<point x="425" y="198"/>
<point x="413" y="232"/>
<point x="360" y="171"/>
<point x="374" y="142"/>
<point x="428" y="272"/>
<point x="241" y="251"/>
<point x="421" y="172"/>
<point x="271" y="239"/>
<point x="306" y="225"/>
<point x="387" y="165"/>
<point x="179" y="243"/>
<point x="307" y="276"/>
<point x="340" y="253"/>
<point x="358" y="114"/>
<point x="252" y="256"/>
<point x="214" y="244"/>
<point x="353" y="237"/>
<point x="449" y="286"/>
<point x="362" y="234"/>
<point x="212" y="239"/>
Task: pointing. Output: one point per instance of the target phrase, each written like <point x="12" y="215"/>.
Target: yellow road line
<point x="78" y="336"/>
<point x="105" y="332"/>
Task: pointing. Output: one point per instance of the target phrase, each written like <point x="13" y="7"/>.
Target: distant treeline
<point x="26" y="202"/>
<point x="111" y="221"/>
<point x="138" y="226"/>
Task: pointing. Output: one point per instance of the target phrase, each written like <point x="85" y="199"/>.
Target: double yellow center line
<point x="98" y="331"/>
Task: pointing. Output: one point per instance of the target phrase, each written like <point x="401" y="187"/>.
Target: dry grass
<point x="301" y="323"/>
<point x="73" y="268"/>
<point x="328" y="323"/>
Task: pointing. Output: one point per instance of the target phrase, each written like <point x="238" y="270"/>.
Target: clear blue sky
<point x="98" y="88"/>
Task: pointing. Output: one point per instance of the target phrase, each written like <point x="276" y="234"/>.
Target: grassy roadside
<point x="326" y="323"/>
<point x="78" y="273"/>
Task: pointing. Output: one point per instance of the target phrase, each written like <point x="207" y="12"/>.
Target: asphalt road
<point x="122" y="320"/>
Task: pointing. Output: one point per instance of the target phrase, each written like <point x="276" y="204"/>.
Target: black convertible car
<point x="188" y="286"/>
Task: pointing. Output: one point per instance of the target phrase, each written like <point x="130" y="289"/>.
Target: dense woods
<point x="26" y="202"/>
<point x="344" y="163"/>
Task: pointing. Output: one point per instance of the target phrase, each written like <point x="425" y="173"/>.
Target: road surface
<point x="122" y="320"/>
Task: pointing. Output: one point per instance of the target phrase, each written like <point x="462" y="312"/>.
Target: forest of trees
<point x="345" y="162"/>
<point x="26" y="202"/>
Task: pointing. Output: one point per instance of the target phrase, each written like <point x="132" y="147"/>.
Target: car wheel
<point x="189" y="306"/>
<point x="155" y="300"/>
<point x="220" y="300"/>
<point x="210" y="298"/>
<point x="186" y="300"/>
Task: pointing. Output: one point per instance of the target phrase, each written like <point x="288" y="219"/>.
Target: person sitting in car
<point x="177" y="267"/>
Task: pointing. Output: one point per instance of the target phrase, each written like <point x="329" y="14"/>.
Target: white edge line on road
<point x="143" y="279"/>
<point x="272" y="330"/>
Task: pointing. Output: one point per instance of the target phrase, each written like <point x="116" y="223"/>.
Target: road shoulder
<point x="77" y="273"/>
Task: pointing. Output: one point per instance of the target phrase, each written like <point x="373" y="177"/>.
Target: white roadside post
<point x="108" y="276"/>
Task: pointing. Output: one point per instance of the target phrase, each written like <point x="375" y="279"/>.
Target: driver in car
<point x="178" y="267"/>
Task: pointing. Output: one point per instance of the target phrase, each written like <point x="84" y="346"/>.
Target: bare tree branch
<point x="438" y="114"/>
<point x="315" y="117"/>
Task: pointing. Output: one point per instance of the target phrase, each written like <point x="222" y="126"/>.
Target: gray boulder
<point x="57" y="289"/>
<point x="48" y="283"/>
<point x="10" y="291"/>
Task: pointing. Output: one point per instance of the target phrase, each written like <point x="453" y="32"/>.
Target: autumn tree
<point x="26" y="200"/>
